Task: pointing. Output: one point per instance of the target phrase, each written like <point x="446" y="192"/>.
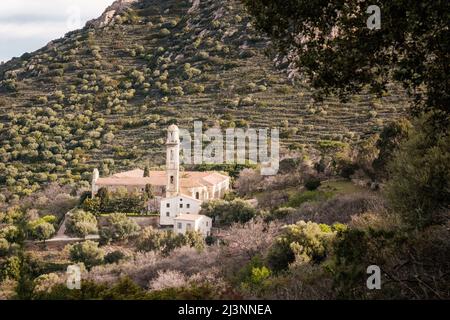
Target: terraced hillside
<point x="103" y="96"/>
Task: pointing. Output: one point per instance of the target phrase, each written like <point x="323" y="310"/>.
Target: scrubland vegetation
<point x="311" y="235"/>
<point x="360" y="183"/>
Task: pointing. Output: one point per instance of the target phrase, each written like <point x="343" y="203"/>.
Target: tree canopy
<point x="118" y="227"/>
<point x="81" y="223"/>
<point x="331" y="43"/>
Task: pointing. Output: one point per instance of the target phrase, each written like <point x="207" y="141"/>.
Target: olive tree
<point x="86" y="252"/>
<point x="81" y="223"/>
<point x="118" y="227"/>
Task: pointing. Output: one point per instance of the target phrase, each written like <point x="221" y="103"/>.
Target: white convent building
<point x="179" y="194"/>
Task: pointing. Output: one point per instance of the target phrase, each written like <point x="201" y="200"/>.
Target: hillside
<point x="103" y="96"/>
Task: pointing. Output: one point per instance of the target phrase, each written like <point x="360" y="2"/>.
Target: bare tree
<point x="249" y="239"/>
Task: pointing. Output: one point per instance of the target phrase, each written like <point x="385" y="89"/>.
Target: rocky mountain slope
<point x="102" y="96"/>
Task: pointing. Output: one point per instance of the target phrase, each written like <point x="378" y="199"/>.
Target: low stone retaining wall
<point x="141" y="221"/>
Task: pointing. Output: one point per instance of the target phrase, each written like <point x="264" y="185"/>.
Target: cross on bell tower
<point x="173" y="161"/>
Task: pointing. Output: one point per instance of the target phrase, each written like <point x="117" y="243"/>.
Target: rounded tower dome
<point x="173" y="134"/>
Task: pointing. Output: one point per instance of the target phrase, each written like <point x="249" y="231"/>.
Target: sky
<point x="28" y="25"/>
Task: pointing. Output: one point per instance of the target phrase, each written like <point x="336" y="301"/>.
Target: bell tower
<point x="95" y="177"/>
<point x="173" y="161"/>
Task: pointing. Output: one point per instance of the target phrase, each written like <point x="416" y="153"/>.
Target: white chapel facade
<point x="179" y="194"/>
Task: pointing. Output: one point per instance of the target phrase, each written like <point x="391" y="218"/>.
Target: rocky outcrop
<point x="105" y="19"/>
<point x="195" y="5"/>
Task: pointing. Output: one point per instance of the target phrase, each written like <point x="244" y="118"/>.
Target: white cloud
<point x="27" y="25"/>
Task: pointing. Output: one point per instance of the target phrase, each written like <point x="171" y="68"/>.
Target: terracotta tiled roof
<point x="137" y="173"/>
<point x="214" y="178"/>
<point x="134" y="178"/>
<point x="188" y="179"/>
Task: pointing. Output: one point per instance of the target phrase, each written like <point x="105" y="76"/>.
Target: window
<point x="181" y="205"/>
<point x="167" y="214"/>
<point x="172" y="179"/>
<point x="188" y="226"/>
<point x="207" y="223"/>
<point x="197" y="195"/>
<point x="179" y="225"/>
<point x="188" y="205"/>
<point x="171" y="154"/>
<point x="167" y="205"/>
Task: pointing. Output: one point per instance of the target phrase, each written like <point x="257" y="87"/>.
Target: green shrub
<point x="388" y="143"/>
<point x="10" y="268"/>
<point x="4" y="247"/>
<point x="166" y="240"/>
<point x="177" y="91"/>
<point x="126" y="203"/>
<point x="302" y="242"/>
<point x="285" y="89"/>
<point x="86" y="252"/>
<point x="297" y="199"/>
<point x="114" y="256"/>
<point x="164" y="32"/>
<point x="9" y="84"/>
<point x="123" y="289"/>
<point x="347" y="169"/>
<point x="118" y="227"/>
<point x="419" y="184"/>
<point x="81" y="223"/>
<point x="91" y="205"/>
<point x="353" y="251"/>
<point x="106" y="202"/>
<point x="42" y="228"/>
<point x="42" y="100"/>
<point x="45" y="283"/>
<point x="227" y="212"/>
<point x="312" y="183"/>
<point x="10" y="233"/>
<point x="259" y="275"/>
<point x="253" y="276"/>
<point x="279" y="213"/>
<point x="195" y="88"/>
<point x="43" y="231"/>
<point x="247" y="101"/>
<point x="190" y="72"/>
